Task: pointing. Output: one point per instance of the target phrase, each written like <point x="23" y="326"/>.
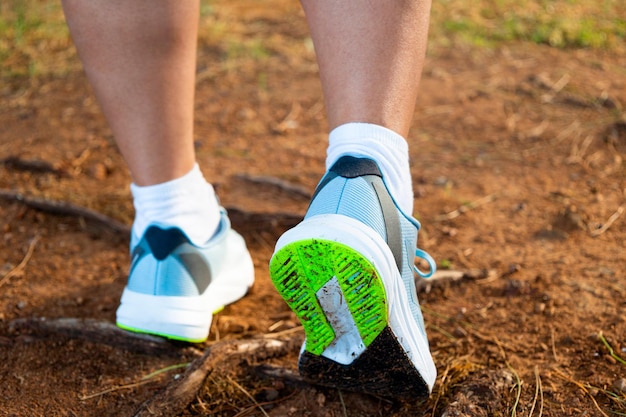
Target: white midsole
<point x="363" y="239"/>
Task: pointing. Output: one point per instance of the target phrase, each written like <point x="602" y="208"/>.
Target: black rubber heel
<point x="384" y="369"/>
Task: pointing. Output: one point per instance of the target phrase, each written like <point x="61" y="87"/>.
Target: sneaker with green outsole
<point x="347" y="271"/>
<point x="174" y="287"/>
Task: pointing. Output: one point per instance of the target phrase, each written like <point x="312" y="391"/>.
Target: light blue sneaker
<point x="175" y="287"/>
<point x="347" y="271"/>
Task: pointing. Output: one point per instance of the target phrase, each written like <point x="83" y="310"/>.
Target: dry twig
<point x="582" y="387"/>
<point x="343" y="403"/>
<point x="466" y="207"/>
<point x="609" y="222"/>
<point x="519" y="389"/>
<point x="247" y="394"/>
<point x="20" y="267"/>
<point x="144" y="380"/>
<point x="538" y="394"/>
<point x="446" y="276"/>
<point x="291" y="120"/>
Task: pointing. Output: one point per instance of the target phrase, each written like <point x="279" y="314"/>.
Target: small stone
<point x="320" y="399"/>
<point x="459" y="332"/>
<point x="98" y="171"/>
<point x="620" y="386"/>
<point x="271" y="394"/>
<point x="449" y="231"/>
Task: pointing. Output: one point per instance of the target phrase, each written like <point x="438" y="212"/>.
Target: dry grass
<point x="560" y="23"/>
<point x="35" y="41"/>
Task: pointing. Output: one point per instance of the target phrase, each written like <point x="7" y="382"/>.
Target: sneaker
<point x="175" y="287"/>
<point x="347" y="271"/>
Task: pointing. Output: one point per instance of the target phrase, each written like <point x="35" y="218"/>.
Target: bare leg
<point x="370" y="55"/>
<point x="140" y="58"/>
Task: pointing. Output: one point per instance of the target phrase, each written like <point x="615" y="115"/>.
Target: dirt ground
<point x="520" y="185"/>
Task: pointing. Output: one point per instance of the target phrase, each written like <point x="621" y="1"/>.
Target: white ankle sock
<point x="188" y="202"/>
<point x="386" y="147"/>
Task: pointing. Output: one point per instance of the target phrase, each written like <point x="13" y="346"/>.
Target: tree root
<point x="65" y="208"/>
<point x="181" y="392"/>
<point x="279" y="184"/>
<point x="275" y="223"/>
<point x="240" y="219"/>
<point x="35" y="166"/>
<point x="98" y="332"/>
<point x="177" y="396"/>
<point x="287" y="376"/>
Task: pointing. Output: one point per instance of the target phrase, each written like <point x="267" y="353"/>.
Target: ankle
<point x="387" y="148"/>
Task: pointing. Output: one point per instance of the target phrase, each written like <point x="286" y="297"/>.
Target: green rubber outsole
<point x="160" y="334"/>
<point x="301" y="268"/>
<point x="166" y="335"/>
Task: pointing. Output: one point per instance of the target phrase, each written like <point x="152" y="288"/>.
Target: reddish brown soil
<point x="518" y="162"/>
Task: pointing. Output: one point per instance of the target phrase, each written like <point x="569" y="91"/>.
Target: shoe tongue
<point x="162" y="242"/>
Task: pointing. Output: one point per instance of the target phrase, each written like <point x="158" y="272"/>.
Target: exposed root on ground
<point x="96" y="331"/>
<point x="240" y="219"/>
<point x="181" y="392"/>
<point x="65" y="208"/>
<point x="227" y="354"/>
<point x="287" y="376"/>
<point x="279" y="184"/>
<point x="35" y="166"/>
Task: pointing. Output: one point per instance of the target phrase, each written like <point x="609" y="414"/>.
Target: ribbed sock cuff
<point x="188" y="202"/>
<point x="389" y="149"/>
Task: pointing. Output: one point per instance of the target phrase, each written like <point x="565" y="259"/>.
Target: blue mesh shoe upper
<point x="164" y="262"/>
<point x="355" y="187"/>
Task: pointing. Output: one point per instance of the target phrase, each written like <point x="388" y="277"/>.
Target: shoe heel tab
<point x="163" y="241"/>
<point x="353" y="167"/>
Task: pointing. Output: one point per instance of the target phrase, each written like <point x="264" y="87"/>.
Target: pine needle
<point x="343" y="404"/>
<point x="610" y="348"/>
<point x="247" y="394"/>
<point x="582" y="387"/>
<point x="22" y="263"/>
<point x="538" y="393"/>
<point x="519" y="389"/>
<point x="145" y="379"/>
